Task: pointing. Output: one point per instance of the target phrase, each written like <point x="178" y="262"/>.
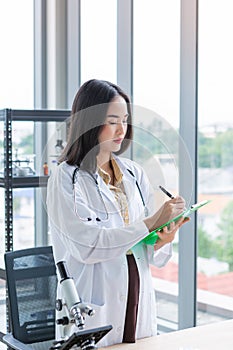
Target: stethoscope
<point x="106" y="218"/>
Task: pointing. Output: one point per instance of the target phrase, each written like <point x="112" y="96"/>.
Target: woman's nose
<point x="120" y="128"/>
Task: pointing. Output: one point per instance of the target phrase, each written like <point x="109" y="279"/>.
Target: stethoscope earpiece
<point x="98" y="219"/>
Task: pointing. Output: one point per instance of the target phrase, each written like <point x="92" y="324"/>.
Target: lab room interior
<point x="116" y="179"/>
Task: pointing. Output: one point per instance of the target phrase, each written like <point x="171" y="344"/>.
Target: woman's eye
<point x="113" y="122"/>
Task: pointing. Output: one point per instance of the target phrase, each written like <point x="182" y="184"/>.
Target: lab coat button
<point x="118" y="329"/>
<point x="122" y="298"/>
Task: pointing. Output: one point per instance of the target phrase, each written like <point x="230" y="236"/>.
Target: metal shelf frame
<point x="10" y="182"/>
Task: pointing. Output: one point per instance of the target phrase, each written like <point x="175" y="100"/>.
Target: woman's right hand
<point x="168" y="210"/>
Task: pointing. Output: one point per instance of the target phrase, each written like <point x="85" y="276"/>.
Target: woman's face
<point x="115" y="127"/>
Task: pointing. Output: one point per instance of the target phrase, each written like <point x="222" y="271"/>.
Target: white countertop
<point x="215" y="336"/>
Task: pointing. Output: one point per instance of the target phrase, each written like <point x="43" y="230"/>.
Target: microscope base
<point x="84" y="339"/>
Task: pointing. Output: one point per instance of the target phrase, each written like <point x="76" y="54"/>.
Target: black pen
<point x="166" y="192"/>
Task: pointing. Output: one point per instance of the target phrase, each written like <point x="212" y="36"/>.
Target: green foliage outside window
<point x="221" y="247"/>
<point x="207" y="247"/>
<point x="225" y="240"/>
<point x="154" y="140"/>
<point x="26" y="145"/>
<point x="216" y="152"/>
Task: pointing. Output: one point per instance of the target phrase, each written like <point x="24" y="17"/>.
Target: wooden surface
<point x="215" y="336"/>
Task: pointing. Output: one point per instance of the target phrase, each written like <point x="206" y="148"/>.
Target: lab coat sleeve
<point x="160" y="257"/>
<point x="87" y="242"/>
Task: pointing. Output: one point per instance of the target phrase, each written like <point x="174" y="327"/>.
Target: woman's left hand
<point x="167" y="234"/>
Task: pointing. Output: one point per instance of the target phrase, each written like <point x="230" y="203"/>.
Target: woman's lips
<point x="118" y="141"/>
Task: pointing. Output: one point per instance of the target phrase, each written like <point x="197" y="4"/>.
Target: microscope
<point x="71" y="310"/>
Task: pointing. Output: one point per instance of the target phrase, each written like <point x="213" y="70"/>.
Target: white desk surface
<point x="215" y="336"/>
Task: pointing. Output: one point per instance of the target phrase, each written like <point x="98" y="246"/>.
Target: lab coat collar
<point x="123" y="168"/>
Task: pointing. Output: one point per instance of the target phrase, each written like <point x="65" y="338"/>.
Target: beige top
<point x="118" y="189"/>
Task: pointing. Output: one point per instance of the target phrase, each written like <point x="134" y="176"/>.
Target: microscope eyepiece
<point x="62" y="268"/>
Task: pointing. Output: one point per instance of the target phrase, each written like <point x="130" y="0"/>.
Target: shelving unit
<point x="10" y="182"/>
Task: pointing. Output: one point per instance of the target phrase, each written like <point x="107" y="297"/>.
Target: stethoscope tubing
<point x="101" y="197"/>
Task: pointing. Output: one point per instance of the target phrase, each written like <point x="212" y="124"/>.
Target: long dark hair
<point x="88" y="116"/>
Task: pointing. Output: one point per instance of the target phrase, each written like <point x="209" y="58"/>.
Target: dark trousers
<point x="132" y="302"/>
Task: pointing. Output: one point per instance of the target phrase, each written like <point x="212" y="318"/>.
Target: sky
<point x="16" y="59"/>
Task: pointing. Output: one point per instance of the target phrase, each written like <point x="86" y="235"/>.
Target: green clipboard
<point x="152" y="238"/>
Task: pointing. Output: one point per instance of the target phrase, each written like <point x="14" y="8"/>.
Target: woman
<point x="98" y="216"/>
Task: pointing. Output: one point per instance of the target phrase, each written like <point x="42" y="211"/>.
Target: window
<point x="17" y="92"/>
<point x="16" y="60"/>
<point x="17" y="80"/>
<point x="156" y="112"/>
<point x="215" y="142"/>
<point x="98" y="39"/>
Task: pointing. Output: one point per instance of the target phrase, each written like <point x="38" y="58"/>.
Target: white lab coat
<point x="95" y="251"/>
